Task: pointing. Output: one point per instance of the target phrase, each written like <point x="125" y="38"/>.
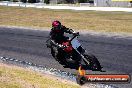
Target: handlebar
<point x="74" y="36"/>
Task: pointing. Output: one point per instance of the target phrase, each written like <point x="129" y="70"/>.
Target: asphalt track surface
<point x="114" y="53"/>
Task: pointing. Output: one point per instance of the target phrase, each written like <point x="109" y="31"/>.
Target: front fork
<point x="82" y="58"/>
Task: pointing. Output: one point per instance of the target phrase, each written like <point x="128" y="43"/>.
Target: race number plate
<point x="75" y="43"/>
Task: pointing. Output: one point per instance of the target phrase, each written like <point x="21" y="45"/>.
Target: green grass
<point x="14" y="77"/>
<point x="79" y="20"/>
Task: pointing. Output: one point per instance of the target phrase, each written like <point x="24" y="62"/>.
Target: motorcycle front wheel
<point x="94" y="63"/>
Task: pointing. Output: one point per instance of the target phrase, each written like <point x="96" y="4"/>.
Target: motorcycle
<point x="72" y="52"/>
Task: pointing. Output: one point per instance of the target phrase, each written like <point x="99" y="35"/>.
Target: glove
<point x="76" y="34"/>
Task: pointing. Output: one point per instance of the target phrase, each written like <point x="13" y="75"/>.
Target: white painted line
<point x="13" y="4"/>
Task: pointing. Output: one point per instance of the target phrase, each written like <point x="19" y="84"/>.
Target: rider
<point x="57" y="33"/>
<point x="57" y="37"/>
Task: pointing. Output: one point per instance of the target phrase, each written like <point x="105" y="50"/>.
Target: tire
<point x="54" y="53"/>
<point x="94" y="63"/>
<point x="81" y="80"/>
<point x="48" y="43"/>
<point x="58" y="56"/>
